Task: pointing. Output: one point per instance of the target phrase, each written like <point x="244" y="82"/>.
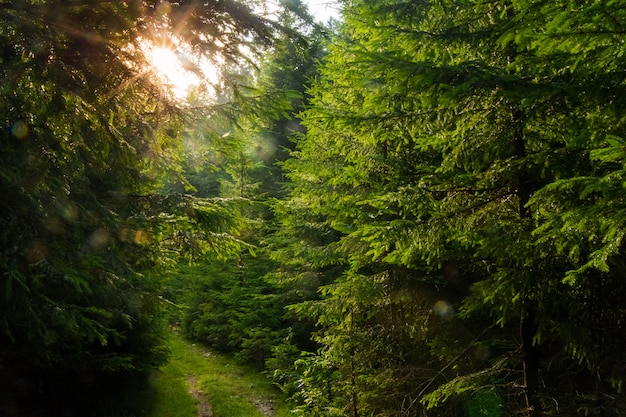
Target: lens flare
<point x="98" y="239"/>
<point x="19" y="129"/>
<point x="443" y="309"/>
<point x="187" y="74"/>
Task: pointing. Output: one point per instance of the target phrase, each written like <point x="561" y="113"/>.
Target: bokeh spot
<point x="19" y="129"/>
<point x="485" y="403"/>
<point x="443" y="309"/>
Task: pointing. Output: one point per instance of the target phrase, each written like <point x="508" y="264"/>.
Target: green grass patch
<point x="232" y="390"/>
<point x="164" y="394"/>
<point x="168" y="394"/>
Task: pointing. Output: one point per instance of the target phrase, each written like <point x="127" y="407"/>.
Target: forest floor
<point x="199" y="382"/>
<point x="204" y="407"/>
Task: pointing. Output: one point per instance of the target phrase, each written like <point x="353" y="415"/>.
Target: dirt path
<point x="237" y="390"/>
<point x="265" y="407"/>
<point x="204" y="408"/>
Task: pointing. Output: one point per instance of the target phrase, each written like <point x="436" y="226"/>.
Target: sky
<point x="322" y="10"/>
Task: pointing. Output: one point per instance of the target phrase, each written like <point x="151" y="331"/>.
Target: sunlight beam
<point x="181" y="72"/>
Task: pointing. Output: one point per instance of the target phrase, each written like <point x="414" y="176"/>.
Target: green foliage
<point x="231" y="308"/>
<point x="89" y="141"/>
<point x="237" y="304"/>
<point x="462" y="175"/>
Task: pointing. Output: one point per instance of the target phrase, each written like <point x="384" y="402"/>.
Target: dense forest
<point x="417" y="209"/>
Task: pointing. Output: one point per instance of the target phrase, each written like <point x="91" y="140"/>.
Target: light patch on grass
<point x="231" y="389"/>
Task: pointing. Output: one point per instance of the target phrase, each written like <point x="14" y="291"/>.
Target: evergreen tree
<point x="89" y="139"/>
<point x="235" y="306"/>
<point x="440" y="141"/>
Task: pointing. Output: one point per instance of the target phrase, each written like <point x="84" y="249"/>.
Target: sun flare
<point x="180" y="72"/>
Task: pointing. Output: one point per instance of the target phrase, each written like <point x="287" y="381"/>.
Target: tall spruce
<point x="462" y="155"/>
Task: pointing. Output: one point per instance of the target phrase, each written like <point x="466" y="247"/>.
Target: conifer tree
<point x="236" y="307"/>
<point x="89" y="138"/>
<point x="448" y="147"/>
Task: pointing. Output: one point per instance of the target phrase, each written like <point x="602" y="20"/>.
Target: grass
<point x="168" y="394"/>
<point x="232" y="390"/>
<point x="165" y="394"/>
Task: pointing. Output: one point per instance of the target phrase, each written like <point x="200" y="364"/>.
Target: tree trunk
<point x="528" y="325"/>
<point x="531" y="354"/>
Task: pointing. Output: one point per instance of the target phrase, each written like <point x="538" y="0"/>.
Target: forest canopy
<point x="415" y="211"/>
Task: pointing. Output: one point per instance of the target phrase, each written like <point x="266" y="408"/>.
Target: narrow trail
<point x="204" y="408"/>
<point x="265" y="407"/>
<point x="222" y="388"/>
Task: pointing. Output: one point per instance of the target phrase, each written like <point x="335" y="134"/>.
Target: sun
<point x="169" y="69"/>
<point x="180" y="71"/>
